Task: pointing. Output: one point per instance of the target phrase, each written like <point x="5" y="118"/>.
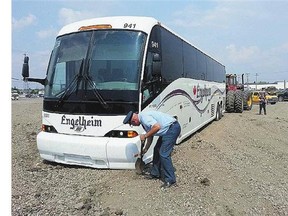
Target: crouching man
<point x="160" y="124"/>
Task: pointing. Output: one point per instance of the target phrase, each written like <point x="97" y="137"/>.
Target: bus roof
<point x="144" y="24"/>
<point x="140" y="23"/>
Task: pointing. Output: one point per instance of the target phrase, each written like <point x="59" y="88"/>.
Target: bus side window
<point x="148" y="68"/>
<point x="146" y="88"/>
<point x="146" y="95"/>
<point x="151" y="86"/>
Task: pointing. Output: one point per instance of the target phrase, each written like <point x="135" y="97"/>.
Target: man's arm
<point x="155" y="128"/>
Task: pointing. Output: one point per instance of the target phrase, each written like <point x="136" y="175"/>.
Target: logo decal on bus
<point x="81" y="123"/>
<point x="201" y="92"/>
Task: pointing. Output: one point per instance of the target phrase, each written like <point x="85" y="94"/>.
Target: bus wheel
<point x="218" y="113"/>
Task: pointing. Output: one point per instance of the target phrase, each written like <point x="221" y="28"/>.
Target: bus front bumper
<point x="95" y="152"/>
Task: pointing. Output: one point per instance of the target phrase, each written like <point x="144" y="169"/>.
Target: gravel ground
<point x="235" y="166"/>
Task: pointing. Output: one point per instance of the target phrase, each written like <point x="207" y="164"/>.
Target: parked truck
<point x="283" y="95"/>
<point x="237" y="97"/>
<point x="14" y="95"/>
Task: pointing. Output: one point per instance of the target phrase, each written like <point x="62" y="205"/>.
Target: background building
<point x="259" y="86"/>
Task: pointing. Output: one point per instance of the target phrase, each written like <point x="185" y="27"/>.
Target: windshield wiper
<point x="71" y="87"/>
<point x="74" y="85"/>
<point x="95" y="91"/>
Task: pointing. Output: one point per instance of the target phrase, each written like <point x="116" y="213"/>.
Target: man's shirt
<point x="150" y="118"/>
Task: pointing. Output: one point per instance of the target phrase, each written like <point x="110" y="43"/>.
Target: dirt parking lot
<point x="235" y="166"/>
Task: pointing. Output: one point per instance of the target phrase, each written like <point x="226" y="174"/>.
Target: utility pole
<point x="247" y="80"/>
<point x="256" y="79"/>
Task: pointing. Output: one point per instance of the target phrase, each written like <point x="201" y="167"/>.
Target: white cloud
<point x="281" y="49"/>
<point x="242" y="54"/>
<point x="67" y="15"/>
<point x="221" y="14"/>
<point x="47" y="33"/>
<point x="193" y="16"/>
<point x="24" y="21"/>
<point x="264" y="62"/>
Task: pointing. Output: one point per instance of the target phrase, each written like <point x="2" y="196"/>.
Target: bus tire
<point x="218" y="113"/>
<point x="221" y="110"/>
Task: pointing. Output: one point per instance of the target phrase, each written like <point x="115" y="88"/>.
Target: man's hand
<point x="142" y="137"/>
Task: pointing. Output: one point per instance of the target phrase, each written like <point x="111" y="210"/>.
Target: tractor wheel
<point x="238" y="101"/>
<point x="230" y="99"/>
<point x="247" y="100"/>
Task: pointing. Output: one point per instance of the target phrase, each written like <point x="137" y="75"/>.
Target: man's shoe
<point x="167" y="185"/>
<point x="151" y="177"/>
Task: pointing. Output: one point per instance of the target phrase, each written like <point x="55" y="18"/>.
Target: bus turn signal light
<point x="132" y="134"/>
<point x="121" y="134"/>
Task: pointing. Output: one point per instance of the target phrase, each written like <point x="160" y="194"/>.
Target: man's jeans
<point x="262" y="106"/>
<point x="162" y="154"/>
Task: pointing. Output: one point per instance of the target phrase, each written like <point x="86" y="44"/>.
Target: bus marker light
<point x="91" y="27"/>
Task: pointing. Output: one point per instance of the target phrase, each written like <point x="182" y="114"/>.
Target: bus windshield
<point x="103" y="60"/>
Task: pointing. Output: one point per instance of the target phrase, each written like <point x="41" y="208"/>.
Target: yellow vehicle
<point x="272" y="99"/>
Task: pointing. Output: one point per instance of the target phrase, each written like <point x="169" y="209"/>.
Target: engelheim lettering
<point x="81" y="121"/>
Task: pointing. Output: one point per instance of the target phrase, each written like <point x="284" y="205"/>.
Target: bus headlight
<point x="121" y="134"/>
<point x="48" y="128"/>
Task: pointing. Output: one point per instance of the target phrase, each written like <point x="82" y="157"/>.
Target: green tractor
<point x="237" y="99"/>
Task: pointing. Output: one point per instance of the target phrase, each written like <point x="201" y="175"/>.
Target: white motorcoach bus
<point x="102" y="68"/>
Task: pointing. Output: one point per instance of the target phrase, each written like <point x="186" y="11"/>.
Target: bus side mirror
<point x="25" y="73"/>
<point x="156" y="65"/>
<point x="25" y="67"/>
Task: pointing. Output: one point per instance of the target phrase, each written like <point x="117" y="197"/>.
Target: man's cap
<point x="128" y="117"/>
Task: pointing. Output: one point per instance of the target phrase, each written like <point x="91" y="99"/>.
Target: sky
<point x="249" y="37"/>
